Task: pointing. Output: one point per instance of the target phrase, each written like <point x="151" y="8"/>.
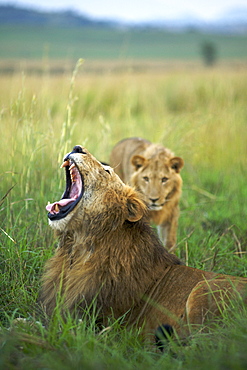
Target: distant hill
<point x="10" y="14"/>
<point x="233" y="21"/>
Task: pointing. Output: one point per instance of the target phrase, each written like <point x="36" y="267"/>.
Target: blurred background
<point x="113" y="35"/>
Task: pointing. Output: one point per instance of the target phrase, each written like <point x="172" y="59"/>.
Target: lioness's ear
<point x="138" y="161"/>
<point x="135" y="207"/>
<point x="176" y="163"/>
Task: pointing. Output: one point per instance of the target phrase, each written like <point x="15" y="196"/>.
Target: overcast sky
<point x="137" y="10"/>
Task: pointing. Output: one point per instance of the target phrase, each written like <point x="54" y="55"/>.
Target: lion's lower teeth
<point x="56" y="208"/>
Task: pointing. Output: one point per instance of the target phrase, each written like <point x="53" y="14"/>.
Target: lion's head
<point x="157" y="176"/>
<point x="92" y="189"/>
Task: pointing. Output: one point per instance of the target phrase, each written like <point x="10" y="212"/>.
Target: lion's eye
<point x="164" y="179"/>
<point x="145" y="178"/>
<point x="107" y="169"/>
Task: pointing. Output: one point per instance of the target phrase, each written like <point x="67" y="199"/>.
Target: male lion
<point x="108" y="254"/>
<point x="154" y="171"/>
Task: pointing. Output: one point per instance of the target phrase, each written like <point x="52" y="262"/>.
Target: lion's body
<point x="109" y="254"/>
<point x="154" y="171"/>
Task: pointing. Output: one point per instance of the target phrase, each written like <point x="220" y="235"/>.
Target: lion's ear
<point x="136" y="208"/>
<point x="176" y="163"/>
<point x="138" y="161"/>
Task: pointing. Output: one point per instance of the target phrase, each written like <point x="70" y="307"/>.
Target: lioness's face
<point x="157" y="179"/>
<point x="86" y="183"/>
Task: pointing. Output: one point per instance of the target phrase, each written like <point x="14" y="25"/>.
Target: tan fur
<point x="108" y="253"/>
<point x="153" y="170"/>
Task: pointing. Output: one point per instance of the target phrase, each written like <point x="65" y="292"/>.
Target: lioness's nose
<point x="154" y="200"/>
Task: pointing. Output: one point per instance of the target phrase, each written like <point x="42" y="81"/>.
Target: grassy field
<point x="201" y="115"/>
<point x="29" y="42"/>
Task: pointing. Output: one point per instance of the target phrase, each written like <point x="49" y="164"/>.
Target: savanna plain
<point x="199" y="113"/>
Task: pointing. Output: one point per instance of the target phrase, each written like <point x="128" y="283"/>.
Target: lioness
<point x="153" y="170"/>
<point x="108" y="254"/>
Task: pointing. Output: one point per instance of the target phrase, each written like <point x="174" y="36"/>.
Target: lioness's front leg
<point x="168" y="234"/>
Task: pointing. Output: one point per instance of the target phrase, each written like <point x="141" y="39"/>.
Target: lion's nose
<point x="153" y="200"/>
<point x="77" y="149"/>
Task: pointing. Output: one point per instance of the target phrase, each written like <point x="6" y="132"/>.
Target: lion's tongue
<point x="55" y="207"/>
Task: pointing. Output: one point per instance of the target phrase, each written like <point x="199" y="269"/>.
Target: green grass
<point x="29" y="42"/>
<point x="199" y="114"/>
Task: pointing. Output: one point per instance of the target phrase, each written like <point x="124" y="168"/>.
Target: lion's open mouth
<point x="72" y="195"/>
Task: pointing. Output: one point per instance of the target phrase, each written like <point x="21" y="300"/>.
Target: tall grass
<point x="201" y="116"/>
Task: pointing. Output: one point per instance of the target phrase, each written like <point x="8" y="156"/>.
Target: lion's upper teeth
<point x="65" y="164"/>
<point x="72" y="172"/>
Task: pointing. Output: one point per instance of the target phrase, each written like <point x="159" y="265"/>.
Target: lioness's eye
<point x="145" y="178"/>
<point x="164" y="179"/>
